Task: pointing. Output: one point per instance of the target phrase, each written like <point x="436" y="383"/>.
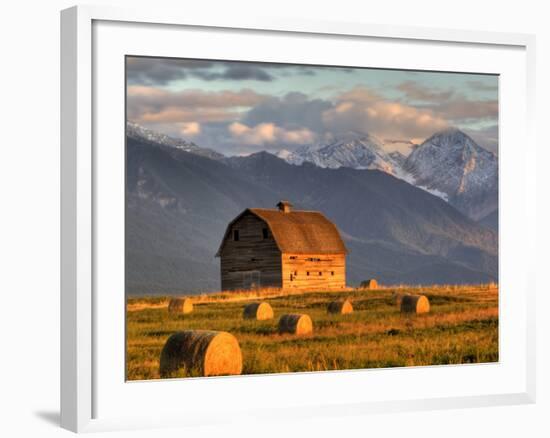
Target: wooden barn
<point x="282" y="248"/>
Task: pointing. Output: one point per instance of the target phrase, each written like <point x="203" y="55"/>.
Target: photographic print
<point x="302" y="218"/>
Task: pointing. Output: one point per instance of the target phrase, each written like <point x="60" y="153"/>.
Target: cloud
<point x="482" y="86"/>
<point x="236" y="72"/>
<point x="156" y="97"/>
<point x="363" y="111"/>
<point x="162" y="71"/>
<point x="462" y="109"/>
<point x="269" y="134"/>
<point x="449" y="104"/>
<point x="244" y="121"/>
<point x="151" y="104"/>
<point x="175" y="115"/>
<point x="290" y="111"/>
<point x="486" y="136"/>
<point x="189" y="128"/>
<point x="176" y="129"/>
<point x="415" y="91"/>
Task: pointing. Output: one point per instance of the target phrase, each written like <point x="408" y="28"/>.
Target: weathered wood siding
<point x="252" y="261"/>
<point x="326" y="271"/>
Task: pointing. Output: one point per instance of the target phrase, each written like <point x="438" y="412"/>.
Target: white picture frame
<point x="85" y="350"/>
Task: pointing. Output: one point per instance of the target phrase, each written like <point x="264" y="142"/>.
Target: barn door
<point x="251" y="280"/>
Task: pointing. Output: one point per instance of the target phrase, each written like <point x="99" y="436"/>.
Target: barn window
<point x="235" y="235"/>
<point x="264" y="233"/>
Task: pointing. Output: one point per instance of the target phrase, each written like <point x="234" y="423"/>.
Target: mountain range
<point x="180" y="199"/>
<point x="355" y="151"/>
<point x="449" y="164"/>
<point x="138" y="132"/>
<point x="454" y="164"/>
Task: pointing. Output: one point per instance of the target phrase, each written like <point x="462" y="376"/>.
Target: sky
<point x="238" y="108"/>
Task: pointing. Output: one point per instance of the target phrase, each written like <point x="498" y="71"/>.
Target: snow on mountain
<point x="398" y="157"/>
<point x="358" y="152"/>
<point x="449" y="165"/>
<point x="285" y="154"/>
<point x="452" y="163"/>
<point x="138" y="132"/>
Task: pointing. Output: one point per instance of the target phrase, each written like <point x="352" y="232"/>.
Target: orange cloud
<point x="269" y="133"/>
<point x="181" y="115"/>
<point x="148" y="104"/>
<point x="189" y="128"/>
<point x="361" y="110"/>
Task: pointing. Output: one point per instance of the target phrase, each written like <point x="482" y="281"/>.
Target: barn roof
<point x="299" y="232"/>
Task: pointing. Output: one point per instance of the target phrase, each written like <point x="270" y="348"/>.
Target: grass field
<point x="462" y="327"/>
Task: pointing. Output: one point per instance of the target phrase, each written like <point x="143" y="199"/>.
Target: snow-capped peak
<point x="284" y="154"/>
<point x="449" y="165"/>
<point x="454" y="164"/>
<point x="355" y="151"/>
<point x="138" y="132"/>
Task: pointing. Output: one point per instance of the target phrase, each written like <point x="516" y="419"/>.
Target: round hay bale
<point x="398" y="297"/>
<point x="259" y="311"/>
<point x="180" y="306"/>
<point x="297" y="324"/>
<point x="369" y="284"/>
<point x="415" y="304"/>
<point x="201" y="352"/>
<point x="341" y="307"/>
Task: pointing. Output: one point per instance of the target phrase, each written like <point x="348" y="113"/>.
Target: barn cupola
<point x="284" y="206"/>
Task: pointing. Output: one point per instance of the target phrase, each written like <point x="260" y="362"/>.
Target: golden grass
<point x="159" y="301"/>
<point x="462" y="327"/>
